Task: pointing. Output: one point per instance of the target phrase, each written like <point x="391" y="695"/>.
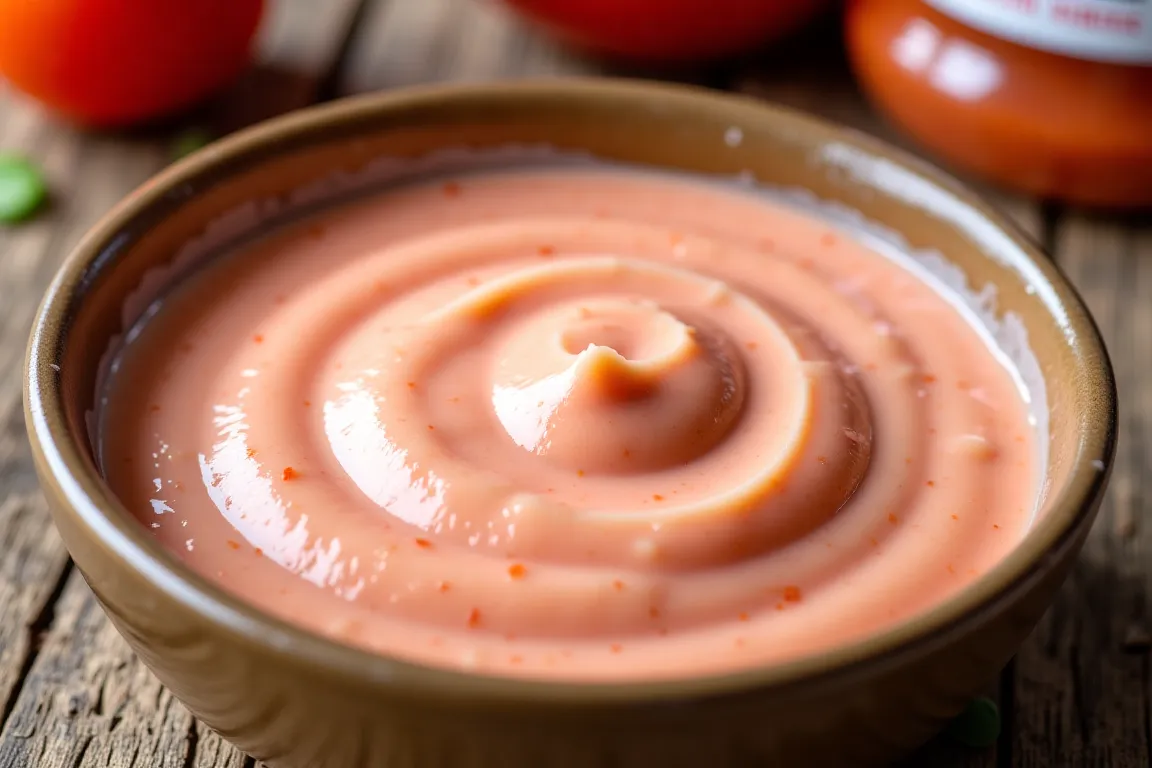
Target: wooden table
<point x="72" y="694"/>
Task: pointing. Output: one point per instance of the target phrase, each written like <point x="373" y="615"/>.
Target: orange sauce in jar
<point x="1048" y="97"/>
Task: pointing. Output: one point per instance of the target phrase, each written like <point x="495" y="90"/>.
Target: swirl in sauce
<point x="578" y="424"/>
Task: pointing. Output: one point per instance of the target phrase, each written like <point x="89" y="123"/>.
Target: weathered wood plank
<point x="406" y="43"/>
<point x="301" y="44"/>
<point x="83" y="699"/>
<point x="32" y="565"/>
<point x="89" y="702"/>
<point x="1082" y="688"/>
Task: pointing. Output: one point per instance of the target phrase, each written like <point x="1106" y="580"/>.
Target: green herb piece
<point x="22" y="189"/>
<point x="189" y="141"/>
<point x="978" y="725"/>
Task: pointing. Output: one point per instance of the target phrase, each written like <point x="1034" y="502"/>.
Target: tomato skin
<point x="669" y="30"/>
<point x="109" y="63"/>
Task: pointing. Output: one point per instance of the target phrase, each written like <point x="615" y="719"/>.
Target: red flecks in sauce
<point x="639" y="419"/>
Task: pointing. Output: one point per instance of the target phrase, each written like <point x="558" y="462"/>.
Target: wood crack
<point x="331" y="78"/>
<point x="1004" y="753"/>
<point x="1079" y="707"/>
<point x="85" y="745"/>
<point x="1050" y="215"/>
<point x="1146" y="701"/>
<point x="193" y="742"/>
<point x="36" y="630"/>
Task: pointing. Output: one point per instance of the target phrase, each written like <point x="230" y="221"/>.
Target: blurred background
<point x="1049" y="98"/>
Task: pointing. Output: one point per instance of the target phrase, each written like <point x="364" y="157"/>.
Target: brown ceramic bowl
<point x="300" y="700"/>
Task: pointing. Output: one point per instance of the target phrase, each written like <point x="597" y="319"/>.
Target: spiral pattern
<point x="523" y="422"/>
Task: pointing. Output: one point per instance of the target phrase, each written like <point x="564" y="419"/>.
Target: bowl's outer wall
<point x="296" y="713"/>
<point x="294" y="716"/>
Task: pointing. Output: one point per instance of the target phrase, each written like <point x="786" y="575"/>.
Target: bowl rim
<point x="64" y="468"/>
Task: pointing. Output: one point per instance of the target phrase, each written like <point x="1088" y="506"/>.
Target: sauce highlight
<point x="572" y="424"/>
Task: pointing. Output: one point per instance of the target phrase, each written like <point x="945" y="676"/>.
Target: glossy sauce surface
<point x="571" y="423"/>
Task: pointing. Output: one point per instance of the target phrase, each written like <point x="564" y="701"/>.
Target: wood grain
<point x="1082" y="685"/>
<point x="88" y="702"/>
<point x="407" y="43"/>
<point x="83" y="698"/>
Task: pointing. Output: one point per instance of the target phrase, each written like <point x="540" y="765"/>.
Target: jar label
<point x="1118" y="31"/>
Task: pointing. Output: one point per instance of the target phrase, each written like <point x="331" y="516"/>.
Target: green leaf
<point x="189" y="141"/>
<point x="978" y="725"/>
<point x="22" y="189"/>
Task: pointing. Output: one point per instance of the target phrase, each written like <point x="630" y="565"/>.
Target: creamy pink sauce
<point x="571" y="423"/>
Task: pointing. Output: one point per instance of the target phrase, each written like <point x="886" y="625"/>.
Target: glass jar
<point x="1049" y="97"/>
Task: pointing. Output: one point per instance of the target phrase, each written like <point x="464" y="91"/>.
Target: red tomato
<point x="669" y="30"/>
<point x="114" y="62"/>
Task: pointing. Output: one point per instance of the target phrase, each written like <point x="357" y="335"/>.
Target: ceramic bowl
<point x="299" y="700"/>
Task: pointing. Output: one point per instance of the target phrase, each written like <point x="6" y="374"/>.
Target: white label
<point x="1118" y="31"/>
